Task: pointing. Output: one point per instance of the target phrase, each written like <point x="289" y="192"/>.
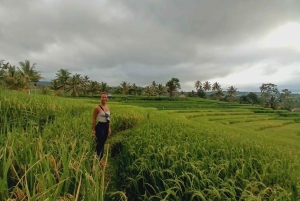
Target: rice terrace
<point x="160" y="149"/>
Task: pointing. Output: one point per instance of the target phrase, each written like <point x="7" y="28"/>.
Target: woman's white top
<point x="101" y="116"/>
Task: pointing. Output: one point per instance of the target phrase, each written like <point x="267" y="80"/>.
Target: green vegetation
<point x="161" y="149"/>
<point x="47" y="147"/>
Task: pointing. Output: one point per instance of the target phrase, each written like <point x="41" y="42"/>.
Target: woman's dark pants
<point x="101" y="136"/>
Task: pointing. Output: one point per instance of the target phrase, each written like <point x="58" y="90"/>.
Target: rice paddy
<point x="159" y="150"/>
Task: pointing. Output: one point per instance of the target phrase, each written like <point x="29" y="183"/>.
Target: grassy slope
<point x="180" y="141"/>
<point x="179" y="130"/>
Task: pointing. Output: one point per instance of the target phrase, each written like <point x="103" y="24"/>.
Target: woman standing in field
<point x="100" y="126"/>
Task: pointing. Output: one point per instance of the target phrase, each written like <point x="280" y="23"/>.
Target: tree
<point x="270" y="95"/>
<point x="124" y="87"/>
<point x="28" y="73"/>
<point x="161" y="89"/>
<point x="148" y="91"/>
<point x="286" y="100"/>
<point x="207" y="86"/>
<point x="62" y="76"/>
<point x="3" y="69"/>
<point x="94" y="87"/>
<point x="253" y="98"/>
<point x="198" y="85"/>
<point x="85" y="82"/>
<point x="244" y="100"/>
<point x="12" y="78"/>
<point x="134" y="89"/>
<point x="286" y="94"/>
<point x="74" y="85"/>
<point x="104" y="87"/>
<point x="54" y="85"/>
<point x="219" y="93"/>
<point x="153" y="87"/>
<point x="231" y="93"/>
<point x="201" y="93"/>
<point x="216" y="86"/>
<point x="172" y="86"/>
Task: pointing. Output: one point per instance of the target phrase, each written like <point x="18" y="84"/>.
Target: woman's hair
<point x="103" y="93"/>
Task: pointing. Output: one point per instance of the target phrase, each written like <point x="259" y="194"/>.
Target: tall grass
<point x="47" y="152"/>
<point x="47" y="148"/>
<point x="170" y="158"/>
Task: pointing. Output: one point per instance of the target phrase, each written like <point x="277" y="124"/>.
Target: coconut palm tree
<point x="148" y="91"/>
<point x="219" y="93"/>
<point x="134" y="89"/>
<point x="3" y="68"/>
<point x="104" y="87"/>
<point x="231" y="93"/>
<point x="28" y="73"/>
<point x="206" y="86"/>
<point x="3" y="72"/>
<point x="12" y="78"/>
<point x="153" y="87"/>
<point x="55" y="85"/>
<point x="124" y="87"/>
<point x="198" y="85"/>
<point x="216" y="86"/>
<point x="85" y="82"/>
<point x="62" y="76"/>
<point x="161" y="89"/>
<point x="94" y="87"/>
<point x="74" y="85"/>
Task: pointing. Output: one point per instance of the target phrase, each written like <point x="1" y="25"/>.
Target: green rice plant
<point x="153" y="154"/>
<point x="47" y="158"/>
<point x="226" y="173"/>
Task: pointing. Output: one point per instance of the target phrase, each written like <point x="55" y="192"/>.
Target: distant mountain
<point x="43" y="83"/>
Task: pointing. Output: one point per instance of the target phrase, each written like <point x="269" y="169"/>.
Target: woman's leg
<point x="101" y="137"/>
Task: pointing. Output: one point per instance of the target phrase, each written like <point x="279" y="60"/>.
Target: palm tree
<point x="172" y="86"/>
<point x="231" y="92"/>
<point x="74" y="85"/>
<point x="103" y="87"/>
<point x="94" y="87"/>
<point x="153" y="87"/>
<point x="219" y="93"/>
<point x="28" y="73"/>
<point x="161" y="89"/>
<point x="12" y="78"/>
<point x="62" y="76"/>
<point x="148" y="91"/>
<point x="207" y="86"/>
<point x="216" y="86"/>
<point x="134" y="89"/>
<point x="85" y="82"/>
<point x="3" y="72"/>
<point x="124" y="87"/>
<point x="3" y="68"/>
<point x="55" y="85"/>
<point x="198" y="85"/>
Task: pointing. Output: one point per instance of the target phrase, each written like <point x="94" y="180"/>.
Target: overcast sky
<point x="241" y="43"/>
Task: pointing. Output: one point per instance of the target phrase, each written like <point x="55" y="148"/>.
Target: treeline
<point x="18" y="78"/>
<point x="64" y="83"/>
<point x="269" y="97"/>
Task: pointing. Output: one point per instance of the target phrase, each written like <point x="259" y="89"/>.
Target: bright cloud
<point x="287" y="36"/>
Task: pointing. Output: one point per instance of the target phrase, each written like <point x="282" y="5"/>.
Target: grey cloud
<point x="215" y="21"/>
<point x="142" y="41"/>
